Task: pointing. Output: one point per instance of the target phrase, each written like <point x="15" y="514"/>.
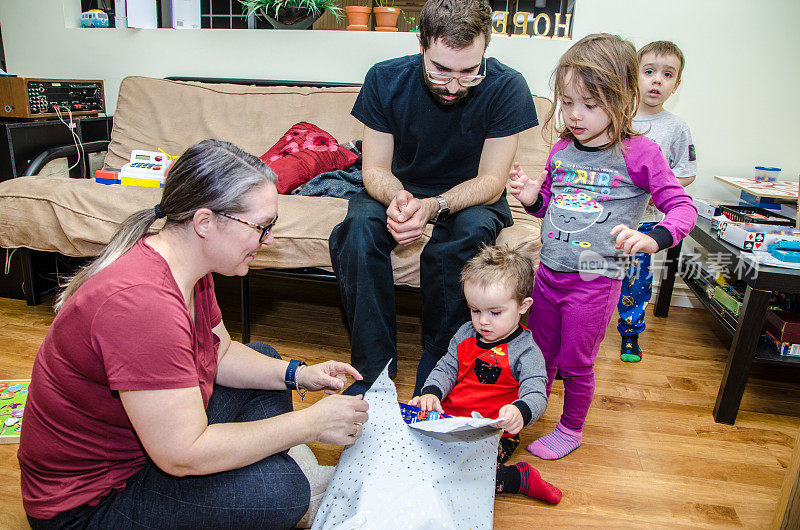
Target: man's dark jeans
<point x="272" y="493"/>
<point x="360" y="253"/>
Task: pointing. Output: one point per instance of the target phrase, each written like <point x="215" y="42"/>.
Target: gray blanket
<point x="342" y="183"/>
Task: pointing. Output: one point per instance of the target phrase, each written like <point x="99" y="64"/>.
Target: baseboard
<point x="682" y="296"/>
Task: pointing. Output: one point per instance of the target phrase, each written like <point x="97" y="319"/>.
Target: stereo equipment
<point x="21" y="97"/>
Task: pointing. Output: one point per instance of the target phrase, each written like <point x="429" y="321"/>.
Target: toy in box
<point x="146" y="169"/>
<point x="412" y="414"/>
<point x="749" y="236"/>
<point x="786" y="349"/>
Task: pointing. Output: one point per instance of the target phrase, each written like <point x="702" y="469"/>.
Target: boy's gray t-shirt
<point x="672" y="135"/>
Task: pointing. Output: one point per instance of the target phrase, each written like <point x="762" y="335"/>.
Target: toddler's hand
<point x="632" y="241"/>
<point x="512" y="419"/>
<point x="525" y="189"/>
<point x="427" y="402"/>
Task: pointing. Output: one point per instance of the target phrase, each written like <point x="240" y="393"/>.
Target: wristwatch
<point x="443" y="211"/>
<point x="290" y="378"/>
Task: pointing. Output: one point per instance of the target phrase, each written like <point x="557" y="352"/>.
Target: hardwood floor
<point x="652" y="457"/>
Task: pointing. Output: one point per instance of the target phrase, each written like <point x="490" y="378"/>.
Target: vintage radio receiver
<point x="21" y="97"/>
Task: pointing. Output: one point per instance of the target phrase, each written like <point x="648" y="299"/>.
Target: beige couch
<point x="77" y="217"/>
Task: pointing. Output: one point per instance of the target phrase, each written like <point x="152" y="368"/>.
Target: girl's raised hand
<point x="632" y="241"/>
<point x="525" y="189"/>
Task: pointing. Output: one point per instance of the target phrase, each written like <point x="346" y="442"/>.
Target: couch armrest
<point x="61" y="151"/>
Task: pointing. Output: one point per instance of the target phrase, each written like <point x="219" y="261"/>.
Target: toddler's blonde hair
<point x="500" y="264"/>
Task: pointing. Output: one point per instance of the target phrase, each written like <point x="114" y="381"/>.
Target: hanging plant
<point x="296" y="9"/>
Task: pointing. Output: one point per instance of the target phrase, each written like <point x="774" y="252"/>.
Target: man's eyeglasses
<point x="465" y="81"/>
<point x="265" y="230"/>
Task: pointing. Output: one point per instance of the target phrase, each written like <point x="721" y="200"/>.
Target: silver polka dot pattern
<point x="402" y="478"/>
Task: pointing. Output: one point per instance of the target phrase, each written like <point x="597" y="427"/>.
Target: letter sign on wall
<point x="538" y="19"/>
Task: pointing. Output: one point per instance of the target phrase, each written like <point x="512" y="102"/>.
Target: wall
<point x="741" y="63"/>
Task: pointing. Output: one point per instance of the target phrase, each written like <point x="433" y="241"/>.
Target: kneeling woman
<point x="142" y="411"/>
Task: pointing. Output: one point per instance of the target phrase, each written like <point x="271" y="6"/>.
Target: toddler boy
<point x="492" y="365"/>
<point x="660" y="66"/>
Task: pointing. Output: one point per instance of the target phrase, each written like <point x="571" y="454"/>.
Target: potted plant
<point x="291" y="14"/>
<point x="358" y="17"/>
<point x="385" y="16"/>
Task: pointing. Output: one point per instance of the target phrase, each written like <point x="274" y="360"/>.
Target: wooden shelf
<point x="765" y="353"/>
<point x="701" y="296"/>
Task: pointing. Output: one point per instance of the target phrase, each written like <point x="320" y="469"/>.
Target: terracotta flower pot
<point x="386" y="16"/>
<point x="358" y="15"/>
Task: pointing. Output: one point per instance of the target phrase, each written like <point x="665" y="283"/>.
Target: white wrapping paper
<point x="395" y="476"/>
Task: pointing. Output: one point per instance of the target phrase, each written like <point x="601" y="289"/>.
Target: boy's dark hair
<point x="664" y="47"/>
<point x="500" y="264"/>
<point x="457" y="22"/>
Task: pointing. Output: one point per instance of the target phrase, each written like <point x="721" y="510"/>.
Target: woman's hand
<point x="525" y="189"/>
<point x="632" y="241"/>
<point x="330" y="376"/>
<point x="337" y="419"/>
<point x="427" y="402"/>
<point x="512" y="419"/>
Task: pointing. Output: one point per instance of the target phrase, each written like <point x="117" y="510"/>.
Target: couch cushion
<point x="172" y="115"/>
<point x="153" y="113"/>
<point x="78" y="217"/>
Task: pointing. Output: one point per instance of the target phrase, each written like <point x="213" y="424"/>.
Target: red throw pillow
<point x="304" y="152"/>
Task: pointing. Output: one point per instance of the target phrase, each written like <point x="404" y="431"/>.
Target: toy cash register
<point x="146" y="168"/>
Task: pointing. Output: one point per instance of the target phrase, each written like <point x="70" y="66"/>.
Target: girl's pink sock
<point x="557" y="444"/>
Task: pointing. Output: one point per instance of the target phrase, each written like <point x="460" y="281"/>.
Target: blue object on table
<point x="788" y="251"/>
<point x="763" y="202"/>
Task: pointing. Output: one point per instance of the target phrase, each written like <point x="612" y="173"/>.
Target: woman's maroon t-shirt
<point x="126" y="328"/>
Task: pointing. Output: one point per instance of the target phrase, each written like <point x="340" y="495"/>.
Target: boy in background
<point x="660" y="67"/>
<point x="493" y="366"/>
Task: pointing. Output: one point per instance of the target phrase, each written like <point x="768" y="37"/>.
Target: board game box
<point x="13" y="394"/>
<point x="749" y="236"/>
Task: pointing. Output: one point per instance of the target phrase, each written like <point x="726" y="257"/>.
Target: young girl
<point x="598" y="179"/>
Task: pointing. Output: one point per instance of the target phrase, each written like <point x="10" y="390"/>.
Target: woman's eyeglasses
<point x="465" y="81"/>
<point x="265" y="230"/>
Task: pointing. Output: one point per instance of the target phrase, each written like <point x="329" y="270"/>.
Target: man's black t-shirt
<point x="437" y="147"/>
